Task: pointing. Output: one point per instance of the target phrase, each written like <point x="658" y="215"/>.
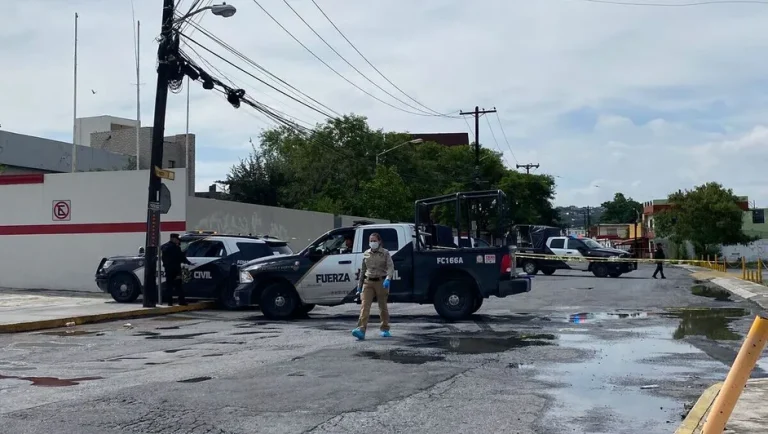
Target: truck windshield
<point x="280" y="248"/>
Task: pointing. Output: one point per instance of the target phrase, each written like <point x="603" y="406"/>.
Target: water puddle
<point x="173" y="318"/>
<point x="147" y="334"/>
<point x="486" y="343"/>
<point x="604" y="393"/>
<point x="174" y="351"/>
<point x="70" y="333"/>
<point x="168" y="328"/>
<point x="712" y="323"/>
<point x="401" y="356"/>
<point x="156" y="363"/>
<point x="717" y="293"/>
<point x="251" y="333"/>
<point x="592" y="317"/>
<point x="50" y="381"/>
<point x="213" y="355"/>
<point x="195" y="380"/>
<point x="178" y="337"/>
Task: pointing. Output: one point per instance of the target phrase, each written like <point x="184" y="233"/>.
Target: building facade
<point x="22" y="154"/>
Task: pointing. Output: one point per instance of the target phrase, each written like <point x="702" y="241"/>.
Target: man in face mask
<point x="376" y="273"/>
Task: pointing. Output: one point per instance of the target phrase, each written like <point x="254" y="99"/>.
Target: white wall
<point x="296" y="227"/>
<point x="69" y="261"/>
<point x="752" y="252"/>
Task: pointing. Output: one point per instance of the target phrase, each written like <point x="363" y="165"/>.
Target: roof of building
<point x="445" y="139"/>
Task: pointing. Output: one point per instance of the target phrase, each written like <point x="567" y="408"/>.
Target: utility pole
<point x="587" y="222"/>
<point x="477" y="113"/>
<point x="156" y="160"/>
<point x="527" y="167"/>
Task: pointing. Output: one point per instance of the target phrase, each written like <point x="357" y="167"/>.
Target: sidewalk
<point x="22" y="311"/>
<point x="749" y="417"/>
<point x="732" y="283"/>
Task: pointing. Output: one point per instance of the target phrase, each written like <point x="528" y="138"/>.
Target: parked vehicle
<point x="455" y="280"/>
<point x="211" y="275"/>
<point x="548" y="240"/>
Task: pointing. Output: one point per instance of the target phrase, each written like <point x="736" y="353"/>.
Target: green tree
<point x="2" y="169"/>
<point x="256" y="179"/>
<point x="621" y="210"/>
<point x="333" y="169"/>
<point x="386" y="196"/>
<point x="707" y="216"/>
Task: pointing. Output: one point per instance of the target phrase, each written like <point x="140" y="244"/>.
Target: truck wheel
<point x="226" y="299"/>
<point x="530" y="267"/>
<point x="548" y="271"/>
<point x="600" y="270"/>
<point x="124" y="288"/>
<point x="455" y="300"/>
<point x="279" y="301"/>
<point x="478" y="304"/>
<point x="615" y="274"/>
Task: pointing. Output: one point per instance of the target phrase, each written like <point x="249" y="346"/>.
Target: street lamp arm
<point x="223" y="10"/>
<point x="409" y="142"/>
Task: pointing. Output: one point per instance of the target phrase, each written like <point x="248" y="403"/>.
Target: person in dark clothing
<point x="173" y="257"/>
<point x="659" y="256"/>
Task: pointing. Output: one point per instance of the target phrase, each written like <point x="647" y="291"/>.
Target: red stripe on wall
<point x="31" y="178"/>
<point x="89" y="228"/>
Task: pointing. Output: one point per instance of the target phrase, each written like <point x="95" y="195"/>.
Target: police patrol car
<point x="456" y="280"/>
<point x="211" y="274"/>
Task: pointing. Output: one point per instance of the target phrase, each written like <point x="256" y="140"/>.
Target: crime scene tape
<point x="570" y="258"/>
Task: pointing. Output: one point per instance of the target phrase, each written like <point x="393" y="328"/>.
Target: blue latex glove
<point x="358" y="290"/>
<point x="386" y="283"/>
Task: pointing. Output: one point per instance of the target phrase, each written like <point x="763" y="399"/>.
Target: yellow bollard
<point x="743" y="268"/>
<point x="759" y="270"/>
<point x="737" y="377"/>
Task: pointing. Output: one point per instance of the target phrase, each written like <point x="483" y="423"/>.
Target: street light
<point x="409" y="142"/>
<point x="222" y="10"/>
<point x="168" y="59"/>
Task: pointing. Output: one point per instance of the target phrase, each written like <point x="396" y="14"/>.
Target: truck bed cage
<point x="464" y="200"/>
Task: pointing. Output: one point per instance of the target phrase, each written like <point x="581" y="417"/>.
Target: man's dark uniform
<point x="173" y="257"/>
<point x="659" y="256"/>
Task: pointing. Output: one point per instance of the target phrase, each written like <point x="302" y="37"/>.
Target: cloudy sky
<point x="642" y="100"/>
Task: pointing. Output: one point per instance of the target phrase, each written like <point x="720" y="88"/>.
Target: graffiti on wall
<point x="227" y="223"/>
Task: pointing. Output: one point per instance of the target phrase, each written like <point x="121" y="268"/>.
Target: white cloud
<point x="673" y="97"/>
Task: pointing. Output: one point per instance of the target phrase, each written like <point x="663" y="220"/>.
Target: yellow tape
<point x="596" y="259"/>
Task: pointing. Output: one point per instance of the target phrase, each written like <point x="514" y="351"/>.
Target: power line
<point x="251" y="62"/>
<point x="505" y="138"/>
<point x="373" y="66"/>
<point x="350" y="64"/>
<point x="477" y="113"/>
<point x="678" y="5"/>
<point x="332" y="68"/>
<point x="256" y="78"/>
<point x="242" y="84"/>
<point x="496" y="141"/>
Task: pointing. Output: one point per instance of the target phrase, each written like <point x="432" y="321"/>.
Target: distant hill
<point x="574" y="216"/>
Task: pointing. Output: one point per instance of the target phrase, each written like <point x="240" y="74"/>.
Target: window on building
<point x="758" y="216"/>
<point x="171" y="164"/>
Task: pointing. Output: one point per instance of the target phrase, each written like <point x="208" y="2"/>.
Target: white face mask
<point x="374" y="245"/>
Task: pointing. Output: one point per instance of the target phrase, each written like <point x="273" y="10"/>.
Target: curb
<point x="696" y="416"/>
<point x="90" y="319"/>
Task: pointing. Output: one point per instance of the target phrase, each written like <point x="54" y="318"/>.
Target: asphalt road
<point x="578" y="354"/>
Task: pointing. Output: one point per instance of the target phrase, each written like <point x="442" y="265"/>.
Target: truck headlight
<point x="107" y="264"/>
<point x="245" y="277"/>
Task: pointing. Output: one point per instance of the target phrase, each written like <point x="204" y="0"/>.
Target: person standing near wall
<point x="375" y="275"/>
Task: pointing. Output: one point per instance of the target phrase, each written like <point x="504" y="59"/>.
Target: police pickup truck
<point x="569" y="253"/>
<point x="211" y="275"/>
<point x="456" y="280"/>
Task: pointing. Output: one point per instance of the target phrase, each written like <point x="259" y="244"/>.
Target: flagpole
<point x="138" y="95"/>
<point x="74" y="106"/>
